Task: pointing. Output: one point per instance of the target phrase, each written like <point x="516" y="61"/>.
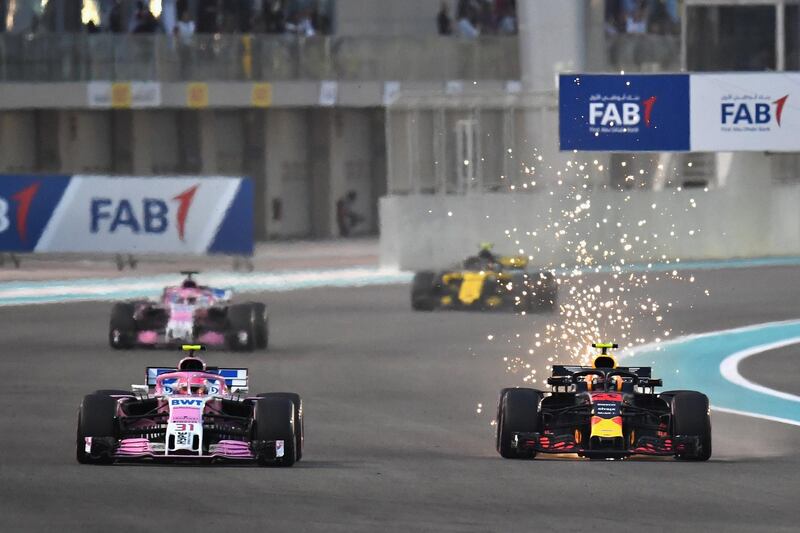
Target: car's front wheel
<point x="299" y="424"/>
<point x="691" y="417"/>
<point x="518" y="412"/>
<point x="274" y="420"/>
<point x="95" y="427"/>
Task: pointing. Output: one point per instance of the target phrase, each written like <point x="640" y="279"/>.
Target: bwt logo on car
<point x="186" y="403"/>
<point x="150" y="215"/>
<point x="752" y="111"/>
<point x="620" y="113"/>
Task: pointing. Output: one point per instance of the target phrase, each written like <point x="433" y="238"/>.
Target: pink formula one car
<point x="191" y="413"/>
<point x="189" y="313"/>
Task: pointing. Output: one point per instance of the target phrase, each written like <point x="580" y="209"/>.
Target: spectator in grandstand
<point x="663" y="16"/>
<point x="443" y="22"/>
<point x="614" y="17"/>
<point x="635" y="19"/>
<point x="346" y="217"/>
<point x="274" y="16"/>
<point x="302" y="24"/>
<point x="185" y="28"/>
<point x="642" y="16"/>
<point x="115" y="17"/>
<point x="506" y="17"/>
<point x="467" y="16"/>
<point x="169" y="16"/>
<point x="143" y="20"/>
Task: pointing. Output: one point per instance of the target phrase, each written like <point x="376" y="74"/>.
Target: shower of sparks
<point x="592" y="308"/>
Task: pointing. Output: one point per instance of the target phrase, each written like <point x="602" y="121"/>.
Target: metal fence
<point x="82" y="57"/>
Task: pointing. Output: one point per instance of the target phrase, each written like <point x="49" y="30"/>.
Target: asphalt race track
<point x="393" y="439"/>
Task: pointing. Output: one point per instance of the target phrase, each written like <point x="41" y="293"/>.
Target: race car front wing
<point x="142" y="448"/>
<point x="645" y="445"/>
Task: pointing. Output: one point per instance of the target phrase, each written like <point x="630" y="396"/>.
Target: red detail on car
<point x="606" y="397"/>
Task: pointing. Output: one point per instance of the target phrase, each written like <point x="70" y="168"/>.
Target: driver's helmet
<point x="195" y="386"/>
<point x="189" y="284"/>
<point x="485" y="251"/>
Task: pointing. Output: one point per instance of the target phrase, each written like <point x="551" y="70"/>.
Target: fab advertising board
<point x="680" y="112"/>
<point x="95" y="214"/>
<point x="752" y="112"/>
<point x="633" y="113"/>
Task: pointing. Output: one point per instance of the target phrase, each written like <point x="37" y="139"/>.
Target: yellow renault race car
<point x="485" y="282"/>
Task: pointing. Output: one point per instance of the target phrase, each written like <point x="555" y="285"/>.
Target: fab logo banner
<point x="635" y="113"/>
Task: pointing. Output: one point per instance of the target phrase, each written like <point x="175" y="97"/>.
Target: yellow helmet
<point x="605" y="359"/>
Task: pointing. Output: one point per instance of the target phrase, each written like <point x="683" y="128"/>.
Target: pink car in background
<point x="191" y="413"/>
<point x="189" y="313"/>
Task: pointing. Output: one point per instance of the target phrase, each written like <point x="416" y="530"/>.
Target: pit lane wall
<point x="641" y="227"/>
<point x="132" y="215"/>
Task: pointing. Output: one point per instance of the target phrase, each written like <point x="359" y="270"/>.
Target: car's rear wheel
<point x="691" y="417"/>
<point x="95" y="421"/>
<point x="273" y="420"/>
<point x="518" y="412"/>
<point x="423" y="297"/>
<point x="242" y="329"/>
<point x="299" y="424"/>
<point x="122" y="326"/>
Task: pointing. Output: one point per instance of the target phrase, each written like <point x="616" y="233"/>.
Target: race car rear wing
<point x="235" y="378"/>
<point x="564" y="375"/>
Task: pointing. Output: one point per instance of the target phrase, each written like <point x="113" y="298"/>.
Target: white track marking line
<point x="729" y="368"/>
<point x="755" y="415"/>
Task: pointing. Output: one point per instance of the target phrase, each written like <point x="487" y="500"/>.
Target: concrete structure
<point x="261" y="106"/>
<point x="749" y="209"/>
<point x="432" y="231"/>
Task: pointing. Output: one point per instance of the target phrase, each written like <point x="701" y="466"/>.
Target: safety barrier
<point x="436" y="231"/>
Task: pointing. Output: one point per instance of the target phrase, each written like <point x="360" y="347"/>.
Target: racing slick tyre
<point x="518" y="412"/>
<point x="273" y="420"/>
<point x="690" y="416"/>
<point x="96" y="421"/>
<point x="299" y="424"/>
<point x="242" y="327"/>
<point x="423" y="297"/>
<point x="262" y="326"/>
<point x="122" y="326"/>
<point x="669" y="394"/>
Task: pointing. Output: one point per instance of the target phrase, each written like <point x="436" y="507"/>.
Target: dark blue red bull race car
<point x="604" y="411"/>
